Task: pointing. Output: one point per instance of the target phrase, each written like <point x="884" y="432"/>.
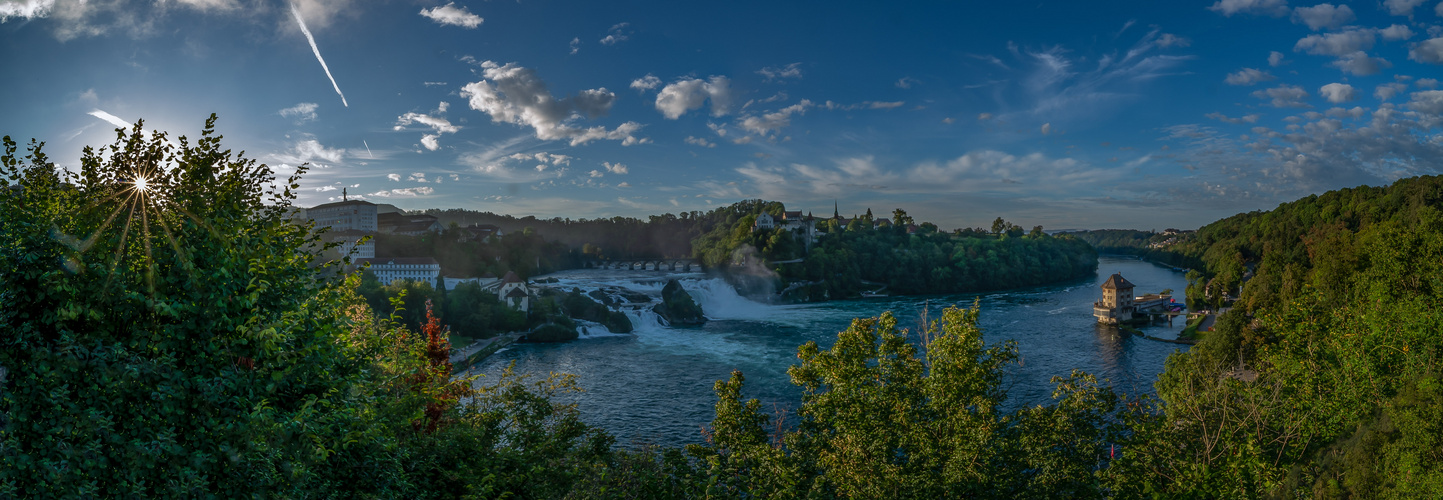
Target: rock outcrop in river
<point x="677" y="306"/>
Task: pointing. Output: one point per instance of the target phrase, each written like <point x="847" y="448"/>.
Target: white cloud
<point x="596" y="173"/>
<point x="1361" y="64"/>
<point x="688" y="94"/>
<point x="1338" y="93"/>
<point x="513" y="94"/>
<point x="442" y="107"/>
<point x="575" y="45"/>
<point x="451" y="15"/>
<point x="1274" y="8"/>
<point x="1427" y="83"/>
<point x="311" y="151"/>
<point x="1429" y="51"/>
<point x="907" y="82"/>
<point x="434" y="84"/>
<point x="616" y="34"/>
<point x="1248" y="76"/>
<point x="1401" y="7"/>
<point x="437" y="124"/>
<point x="25" y="9"/>
<point x="1339" y="44"/>
<point x="1388" y="90"/>
<point x="864" y="105"/>
<point x="647" y="82"/>
<point x="984" y="116"/>
<point x="406" y="192"/>
<point x="1170" y="40"/>
<point x="544" y="158"/>
<point x="1275" y="58"/>
<point x="1253" y="118"/>
<point x="1318" y="152"/>
<point x="615" y="168"/>
<point x="700" y="142"/>
<point x="1323" y="16"/>
<point x="1284" y="96"/>
<point x="770" y="123"/>
<point x="1428" y="101"/>
<point x="394" y="177"/>
<point x="303" y="112"/>
<point x="1046" y="128"/>
<point x="1396" y="32"/>
<point x="792" y="70"/>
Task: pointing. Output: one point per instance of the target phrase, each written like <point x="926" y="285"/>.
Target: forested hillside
<point x="1324" y="379"/>
<point x="848" y="259"/>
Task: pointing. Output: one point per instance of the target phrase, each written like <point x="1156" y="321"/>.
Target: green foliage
<point x="1319" y="381"/>
<point x="527" y="253"/>
<point x="879" y="421"/>
<point x="177" y="342"/>
<point x="581" y="306"/>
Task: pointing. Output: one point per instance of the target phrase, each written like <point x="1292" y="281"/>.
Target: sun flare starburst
<point x="141" y="184"/>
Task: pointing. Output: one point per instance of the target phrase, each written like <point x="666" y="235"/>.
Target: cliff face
<point x="677" y="307"/>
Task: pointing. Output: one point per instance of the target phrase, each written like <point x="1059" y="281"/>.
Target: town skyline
<point x="1058" y="114"/>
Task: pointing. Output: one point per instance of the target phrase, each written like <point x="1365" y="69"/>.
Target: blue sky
<point x="1066" y="114"/>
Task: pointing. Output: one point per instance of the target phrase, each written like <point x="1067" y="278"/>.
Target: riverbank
<point x="466" y="357"/>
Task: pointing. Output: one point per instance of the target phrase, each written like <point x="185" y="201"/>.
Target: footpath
<point x="465" y="357"/>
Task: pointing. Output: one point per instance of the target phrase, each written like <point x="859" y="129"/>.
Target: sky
<point x="1065" y="114"/>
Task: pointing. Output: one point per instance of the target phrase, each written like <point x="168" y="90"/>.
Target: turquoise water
<point x="655" y="385"/>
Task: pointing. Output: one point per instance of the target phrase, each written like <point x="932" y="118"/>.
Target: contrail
<point x="112" y="119"/>
<point x="317" y="50"/>
<point x="368" y="149"/>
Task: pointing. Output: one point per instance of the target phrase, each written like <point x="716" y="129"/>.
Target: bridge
<point x="683" y="265"/>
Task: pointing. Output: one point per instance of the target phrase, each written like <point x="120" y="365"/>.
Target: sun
<point x="141" y="184"/>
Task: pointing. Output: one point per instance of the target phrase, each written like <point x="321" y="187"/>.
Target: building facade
<point x="514" y="292"/>
<point x="389" y="270"/>
<point x="355" y="215"/>
<point x="1117" y="301"/>
<point x="350" y="241"/>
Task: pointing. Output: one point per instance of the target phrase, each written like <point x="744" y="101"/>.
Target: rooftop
<point x="1117" y="282"/>
<point x="399" y="261"/>
<point x="342" y="204"/>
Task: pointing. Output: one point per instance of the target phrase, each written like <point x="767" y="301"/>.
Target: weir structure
<point x="683" y="265"/>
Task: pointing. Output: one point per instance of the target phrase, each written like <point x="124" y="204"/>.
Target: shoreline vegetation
<point x="165" y="334"/>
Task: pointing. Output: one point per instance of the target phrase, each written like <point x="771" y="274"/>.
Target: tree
<point x="900" y="218"/>
<point x="166" y="333"/>
<point x="999" y="225"/>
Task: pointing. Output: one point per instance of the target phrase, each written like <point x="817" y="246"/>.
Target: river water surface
<point x="655" y="385"/>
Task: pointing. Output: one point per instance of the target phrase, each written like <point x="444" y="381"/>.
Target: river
<point x="655" y="384"/>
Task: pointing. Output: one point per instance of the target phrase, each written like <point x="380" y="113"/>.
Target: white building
<point x="764" y="222"/>
<point x="388" y="270"/>
<point x="487" y="281"/>
<point x="358" y="215"/>
<point x="346" y="222"/>
<point x="513" y="292"/>
<point x="350" y="239"/>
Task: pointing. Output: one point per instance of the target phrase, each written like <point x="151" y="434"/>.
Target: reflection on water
<point x="656" y="384"/>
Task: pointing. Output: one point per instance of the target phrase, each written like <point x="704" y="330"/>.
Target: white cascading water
<point x="717" y="298"/>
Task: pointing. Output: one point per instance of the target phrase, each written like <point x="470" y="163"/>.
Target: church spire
<point x="835" y="213"/>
